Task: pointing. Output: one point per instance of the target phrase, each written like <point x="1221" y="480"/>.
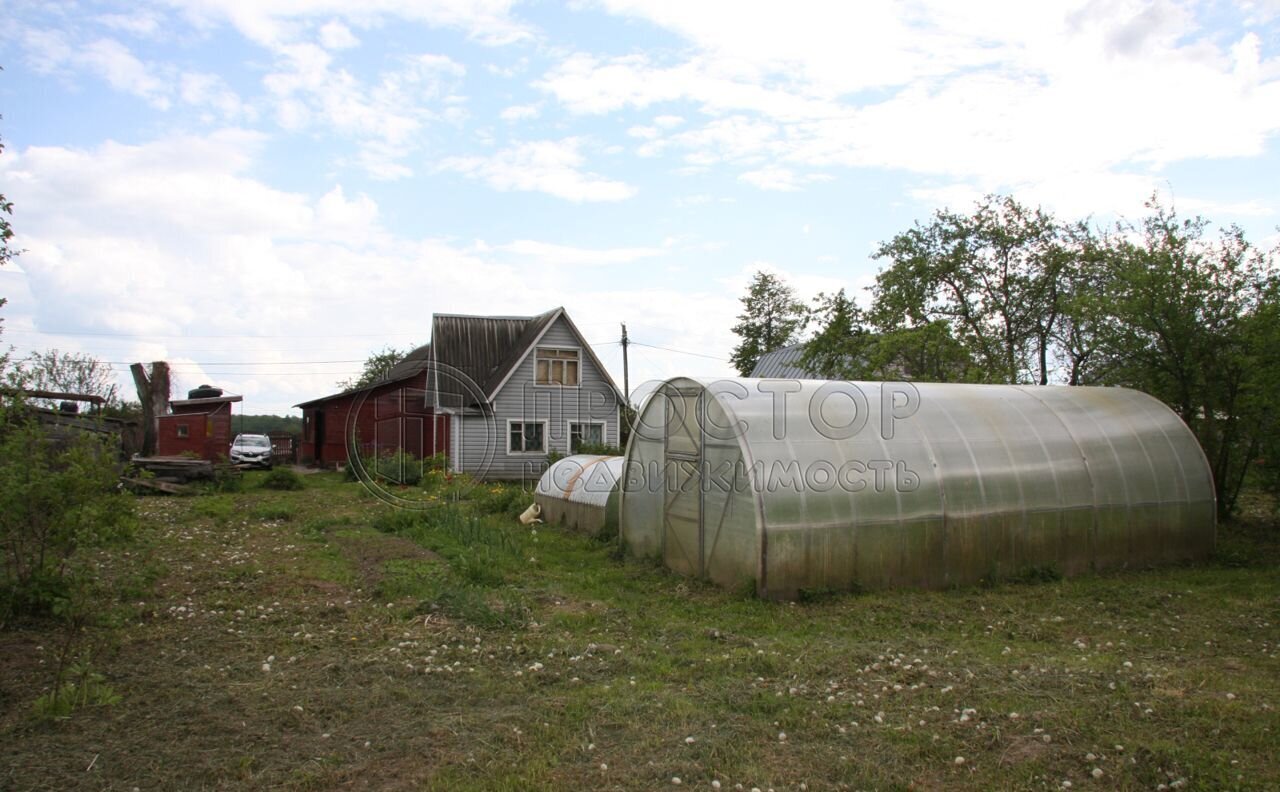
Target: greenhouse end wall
<point x="800" y="484"/>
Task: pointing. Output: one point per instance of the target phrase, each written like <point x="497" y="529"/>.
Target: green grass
<point x="451" y="648"/>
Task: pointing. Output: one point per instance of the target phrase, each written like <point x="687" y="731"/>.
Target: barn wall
<point x="208" y="433"/>
<point x="389" y="417"/>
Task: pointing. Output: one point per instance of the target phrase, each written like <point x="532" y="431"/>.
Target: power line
<point x="680" y="351"/>
<point x="195" y="335"/>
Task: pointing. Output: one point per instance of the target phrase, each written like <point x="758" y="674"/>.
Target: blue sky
<point x="262" y="191"/>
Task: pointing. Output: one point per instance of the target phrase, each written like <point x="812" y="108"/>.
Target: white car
<point x="251" y="449"/>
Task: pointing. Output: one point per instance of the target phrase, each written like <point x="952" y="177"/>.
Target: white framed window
<point x="526" y="437"/>
<point x="557" y="366"/>
<point x="588" y="432"/>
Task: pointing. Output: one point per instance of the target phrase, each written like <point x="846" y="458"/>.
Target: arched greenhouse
<point x="808" y="485"/>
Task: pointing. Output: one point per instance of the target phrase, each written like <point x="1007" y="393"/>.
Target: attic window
<point x="557" y="366"/>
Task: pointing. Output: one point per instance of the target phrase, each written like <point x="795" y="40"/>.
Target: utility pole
<point x="626" y="372"/>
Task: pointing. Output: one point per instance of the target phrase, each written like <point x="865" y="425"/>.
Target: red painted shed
<point x="201" y="426"/>
<point x="380" y="418"/>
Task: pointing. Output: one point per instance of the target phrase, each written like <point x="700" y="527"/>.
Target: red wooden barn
<point x="200" y="424"/>
<point x="388" y="415"/>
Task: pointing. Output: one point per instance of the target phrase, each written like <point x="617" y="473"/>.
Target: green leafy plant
<point x="79" y="687"/>
<point x="58" y="494"/>
<point x="599" y="449"/>
<point x="282" y="479"/>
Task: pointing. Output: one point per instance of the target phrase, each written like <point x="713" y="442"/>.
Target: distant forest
<point x="265" y="424"/>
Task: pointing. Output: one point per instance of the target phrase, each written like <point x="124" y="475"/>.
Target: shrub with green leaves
<point x="58" y="493"/>
<point x="501" y="499"/>
<point x="599" y="449"/>
<point x="282" y="479"/>
<point x="400" y="467"/>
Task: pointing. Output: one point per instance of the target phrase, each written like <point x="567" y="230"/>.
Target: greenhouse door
<point x="682" y="507"/>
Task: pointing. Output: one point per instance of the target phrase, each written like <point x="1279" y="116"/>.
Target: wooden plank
<point x="163" y="486"/>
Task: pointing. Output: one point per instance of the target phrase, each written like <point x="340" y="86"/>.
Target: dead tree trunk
<point x="153" y="395"/>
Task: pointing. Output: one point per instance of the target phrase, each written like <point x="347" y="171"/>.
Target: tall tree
<point x="376" y="367"/>
<point x="771" y="318"/>
<point x="840" y="348"/>
<point x="70" y="372"/>
<point x="1191" y="325"/>
<point x="1085" y="319"/>
<point x="992" y="276"/>
<point x="6" y="253"/>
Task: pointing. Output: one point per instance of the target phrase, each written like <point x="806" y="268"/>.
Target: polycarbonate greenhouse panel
<point x="581" y="478"/>
<point x="802" y="484"/>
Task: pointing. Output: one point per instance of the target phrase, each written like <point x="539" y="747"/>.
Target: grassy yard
<point x="320" y="639"/>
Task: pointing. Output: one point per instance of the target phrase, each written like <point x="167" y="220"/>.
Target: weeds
<point x="218" y="508"/>
<point x="82" y="687"/>
<point x="282" y="479"/>
<point x="273" y="513"/>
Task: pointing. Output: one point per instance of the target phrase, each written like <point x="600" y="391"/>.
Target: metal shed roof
<point x="783" y="363"/>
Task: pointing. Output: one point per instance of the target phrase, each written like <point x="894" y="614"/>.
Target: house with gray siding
<point x="496" y="394"/>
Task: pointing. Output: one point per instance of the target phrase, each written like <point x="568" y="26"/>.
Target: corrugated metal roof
<point x="782" y="363"/>
<point x="415" y="362"/>
<point x="484" y="348"/>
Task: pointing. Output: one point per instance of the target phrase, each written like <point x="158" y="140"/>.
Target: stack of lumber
<point x="175" y="469"/>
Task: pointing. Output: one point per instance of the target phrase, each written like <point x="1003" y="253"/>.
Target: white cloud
<point x="386" y="119"/>
<point x="211" y="91"/>
<point x="335" y="35"/>
<point x="549" y="166"/>
<point x="519" y="113"/>
<point x="552" y="254"/>
<point x="1006" y="94"/>
<point x="104" y="58"/>
<point x="275" y="22"/>
<point x="138" y="23"/>
<point x="781" y="179"/>
<point x="176" y="240"/>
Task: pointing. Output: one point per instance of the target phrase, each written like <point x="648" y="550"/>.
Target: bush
<point x="57" y="495"/>
<point x="501" y="499"/>
<point x="599" y="449"/>
<point x="400" y="467"/>
<point x="282" y="479"/>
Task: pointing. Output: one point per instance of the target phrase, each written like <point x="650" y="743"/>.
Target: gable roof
<point x="484" y="348"/>
<point x="558" y="313"/>
<point x="487" y="349"/>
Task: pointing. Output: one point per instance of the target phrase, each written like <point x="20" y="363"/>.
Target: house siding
<point x="520" y="399"/>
